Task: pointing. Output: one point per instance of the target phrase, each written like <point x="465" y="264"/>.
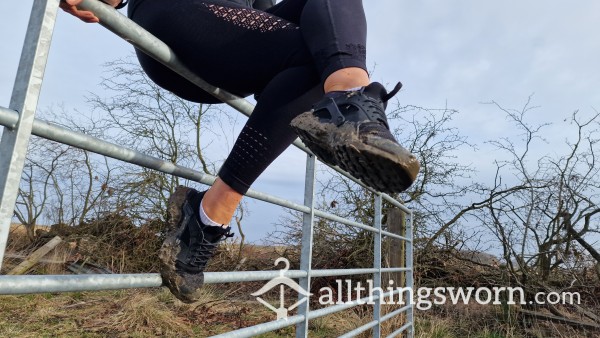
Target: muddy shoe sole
<point x="184" y="286"/>
<point x="379" y="163"/>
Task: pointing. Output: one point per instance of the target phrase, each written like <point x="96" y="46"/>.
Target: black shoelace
<point x="203" y="250"/>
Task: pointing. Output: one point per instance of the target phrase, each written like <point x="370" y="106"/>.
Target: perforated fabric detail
<point x="250" y="18"/>
<point x="250" y="148"/>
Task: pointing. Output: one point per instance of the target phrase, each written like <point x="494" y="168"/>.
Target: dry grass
<point x="148" y="313"/>
<point x="144" y="314"/>
<point x="222" y="308"/>
<point x="155" y="313"/>
<point x="17" y="237"/>
<point x="339" y="323"/>
<point x="118" y="314"/>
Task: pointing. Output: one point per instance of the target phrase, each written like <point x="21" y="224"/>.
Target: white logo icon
<point x="282" y="281"/>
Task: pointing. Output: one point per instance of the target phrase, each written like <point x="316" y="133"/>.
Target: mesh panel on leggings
<point x="250" y="149"/>
<point x="250" y="18"/>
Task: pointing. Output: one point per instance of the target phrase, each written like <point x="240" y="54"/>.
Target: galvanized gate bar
<point x="377" y="264"/>
<point x="64" y="135"/>
<point x="410" y="316"/>
<point x="407" y="327"/>
<point x="9" y="118"/>
<point x="75" y="139"/>
<point x="395" y="313"/>
<point x="402" y="328"/>
<point x="360" y="329"/>
<point x="24" y="99"/>
<point x="149" y="44"/>
<point x="348" y="305"/>
<point x="262" y="328"/>
<point x="28" y="284"/>
<point x="279" y="324"/>
<point x="307" y="244"/>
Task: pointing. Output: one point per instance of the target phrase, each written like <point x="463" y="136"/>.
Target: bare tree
<point x="38" y="178"/>
<point x="145" y="117"/>
<point x="546" y="198"/>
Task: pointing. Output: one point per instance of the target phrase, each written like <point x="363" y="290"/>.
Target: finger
<point x="88" y="17"/>
<point x="72" y="2"/>
<point x="65" y="6"/>
<point x="85" y="16"/>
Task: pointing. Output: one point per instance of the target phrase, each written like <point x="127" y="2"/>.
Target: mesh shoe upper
<point x="365" y="108"/>
<point x="350" y="130"/>
<point x="197" y="241"/>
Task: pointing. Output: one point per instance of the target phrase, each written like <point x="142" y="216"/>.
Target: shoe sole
<point x="379" y="163"/>
<point x="170" y="249"/>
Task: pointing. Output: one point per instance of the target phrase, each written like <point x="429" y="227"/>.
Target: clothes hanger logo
<point x="282" y="281"/>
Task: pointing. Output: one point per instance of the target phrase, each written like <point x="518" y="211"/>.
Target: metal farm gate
<point x="19" y="124"/>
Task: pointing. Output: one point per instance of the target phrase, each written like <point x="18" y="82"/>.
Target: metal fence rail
<point x="20" y="123"/>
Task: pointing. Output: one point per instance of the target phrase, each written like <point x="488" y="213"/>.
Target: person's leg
<point x="247" y="51"/>
<point x="264" y="137"/>
<point x="221" y="200"/>
<point x="241" y="50"/>
<point x="336" y="34"/>
<point x="232" y="47"/>
<point x="187" y="250"/>
<point x="348" y="127"/>
<point x="338" y="53"/>
<point x="333" y="30"/>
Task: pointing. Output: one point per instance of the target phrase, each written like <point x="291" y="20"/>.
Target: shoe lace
<point x="375" y="104"/>
<point x="205" y="248"/>
<point x="392" y="93"/>
<point x="378" y="124"/>
<point x="378" y="106"/>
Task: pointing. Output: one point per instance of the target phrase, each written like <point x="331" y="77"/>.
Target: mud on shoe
<point x="350" y="130"/>
<point x="188" y="246"/>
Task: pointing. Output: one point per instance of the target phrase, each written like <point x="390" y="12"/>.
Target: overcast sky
<point x="454" y="53"/>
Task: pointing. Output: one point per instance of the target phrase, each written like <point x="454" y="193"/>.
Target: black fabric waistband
<point x="263" y="4"/>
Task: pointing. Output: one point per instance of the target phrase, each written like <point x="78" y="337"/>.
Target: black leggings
<point x="283" y="55"/>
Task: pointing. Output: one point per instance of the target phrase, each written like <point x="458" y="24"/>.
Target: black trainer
<point x="351" y="131"/>
<point x="188" y="246"/>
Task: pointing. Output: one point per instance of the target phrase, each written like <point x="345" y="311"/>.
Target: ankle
<point x="346" y="79"/>
<point x="207" y="220"/>
<point x="220" y="202"/>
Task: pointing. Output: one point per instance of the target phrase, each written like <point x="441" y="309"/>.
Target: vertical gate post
<point x="396" y="254"/>
<point x="377" y="265"/>
<point x="409" y="273"/>
<point x="307" y="243"/>
<point x="24" y="99"/>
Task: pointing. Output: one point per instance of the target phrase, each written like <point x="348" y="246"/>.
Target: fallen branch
<point x="577" y="307"/>
<point x="35" y="257"/>
<point x="43" y="260"/>
<point x="557" y="319"/>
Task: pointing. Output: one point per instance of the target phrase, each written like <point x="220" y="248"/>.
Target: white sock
<point x="337" y="93"/>
<point x="206" y="220"/>
<point x="352" y="89"/>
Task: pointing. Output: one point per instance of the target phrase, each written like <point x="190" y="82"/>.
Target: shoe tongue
<point x="215" y="233"/>
<point x="375" y="90"/>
